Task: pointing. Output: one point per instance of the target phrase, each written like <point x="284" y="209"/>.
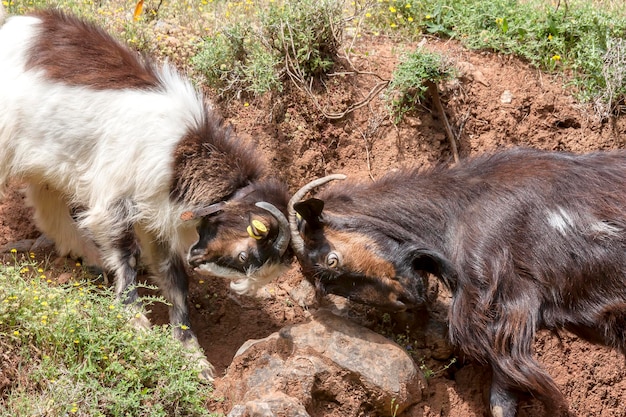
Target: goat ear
<point x="310" y="210"/>
<point x="202" y="211"/>
<point x="435" y="263"/>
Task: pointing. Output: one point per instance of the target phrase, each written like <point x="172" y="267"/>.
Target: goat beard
<point x="247" y="282"/>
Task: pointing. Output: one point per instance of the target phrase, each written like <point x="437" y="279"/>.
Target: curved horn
<point x="282" y="241"/>
<point x="297" y="243"/>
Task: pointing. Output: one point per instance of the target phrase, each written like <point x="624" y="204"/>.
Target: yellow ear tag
<point x="251" y="233"/>
<point x="258" y="226"/>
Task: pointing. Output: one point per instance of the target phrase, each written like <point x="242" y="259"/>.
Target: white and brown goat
<point x="525" y="240"/>
<point x="124" y="161"/>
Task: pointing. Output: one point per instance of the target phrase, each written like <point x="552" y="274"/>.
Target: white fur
<point x="565" y="222"/>
<point x="92" y="148"/>
<point x="561" y="220"/>
<point x="247" y="283"/>
<point x="601" y="229"/>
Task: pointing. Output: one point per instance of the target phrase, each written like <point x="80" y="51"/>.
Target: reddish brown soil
<point x="302" y="144"/>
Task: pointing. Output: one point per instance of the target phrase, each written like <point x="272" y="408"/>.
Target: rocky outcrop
<point x="326" y="367"/>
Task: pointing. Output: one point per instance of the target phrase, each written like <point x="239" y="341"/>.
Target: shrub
<point x="285" y="39"/>
<point x="410" y="79"/>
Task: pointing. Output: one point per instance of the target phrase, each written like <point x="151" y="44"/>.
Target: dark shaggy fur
<point x="525" y="239"/>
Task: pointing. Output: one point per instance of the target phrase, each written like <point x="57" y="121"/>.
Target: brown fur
<point x="212" y="155"/>
<point x="78" y="53"/>
<point x="525" y="240"/>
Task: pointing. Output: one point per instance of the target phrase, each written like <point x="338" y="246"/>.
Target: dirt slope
<point x="302" y="144"/>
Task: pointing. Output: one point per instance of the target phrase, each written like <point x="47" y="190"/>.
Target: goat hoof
<point x="195" y="355"/>
<point x="206" y="373"/>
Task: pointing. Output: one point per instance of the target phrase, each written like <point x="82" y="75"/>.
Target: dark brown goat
<point x="525" y="240"/>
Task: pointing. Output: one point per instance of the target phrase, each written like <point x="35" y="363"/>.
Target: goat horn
<point x="282" y="241"/>
<point x="202" y="211"/>
<point x="297" y="243"/>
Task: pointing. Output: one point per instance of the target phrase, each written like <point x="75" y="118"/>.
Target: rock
<point x="278" y="404"/>
<point x="303" y="294"/>
<point x="506" y="97"/>
<point x="329" y="360"/>
<point x="468" y="71"/>
<point x="437" y="341"/>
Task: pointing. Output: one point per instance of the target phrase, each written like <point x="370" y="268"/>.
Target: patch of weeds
<point x="234" y="60"/>
<point x="614" y="73"/>
<point x="403" y="339"/>
<point x="409" y="18"/>
<point x="77" y="354"/>
<point x="411" y="78"/>
<point x="573" y="39"/>
<point x="306" y="34"/>
<point x="281" y="41"/>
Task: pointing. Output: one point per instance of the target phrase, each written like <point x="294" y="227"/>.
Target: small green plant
<point x="430" y="373"/>
<point x="411" y="79"/>
<point x="73" y="352"/>
<point x="394" y="407"/>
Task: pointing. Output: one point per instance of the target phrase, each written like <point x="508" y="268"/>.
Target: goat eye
<point x="243" y="257"/>
<point x="332" y="260"/>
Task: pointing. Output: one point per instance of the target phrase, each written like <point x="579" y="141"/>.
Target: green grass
<point x="69" y="350"/>
<point x="579" y="39"/>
